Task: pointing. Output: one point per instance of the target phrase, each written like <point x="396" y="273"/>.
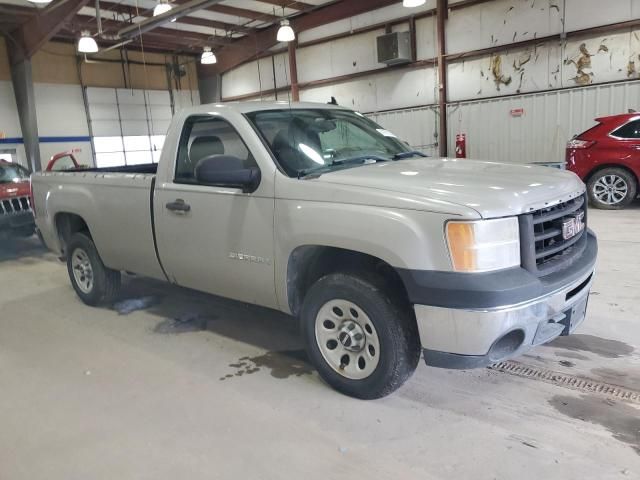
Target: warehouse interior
<point x="165" y="380"/>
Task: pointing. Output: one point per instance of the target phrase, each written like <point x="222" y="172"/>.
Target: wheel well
<point x="68" y="224"/>
<point x="309" y="263"/>
<point x="611" y="165"/>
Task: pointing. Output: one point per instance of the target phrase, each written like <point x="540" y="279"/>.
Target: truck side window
<point x="204" y="136"/>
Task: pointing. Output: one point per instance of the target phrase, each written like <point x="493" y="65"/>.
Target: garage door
<point x="128" y="126"/>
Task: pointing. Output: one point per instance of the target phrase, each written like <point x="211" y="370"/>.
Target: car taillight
<point x="580" y="144"/>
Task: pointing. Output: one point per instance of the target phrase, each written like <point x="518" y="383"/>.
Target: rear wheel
<point x="362" y="341"/>
<point x="93" y="282"/>
<point x="612" y="188"/>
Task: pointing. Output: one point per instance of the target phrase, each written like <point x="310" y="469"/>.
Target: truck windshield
<point x="307" y="141"/>
<point x="12" y="173"/>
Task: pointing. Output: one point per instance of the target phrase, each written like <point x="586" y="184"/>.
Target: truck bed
<point x="147" y="168"/>
<point x="117" y="205"/>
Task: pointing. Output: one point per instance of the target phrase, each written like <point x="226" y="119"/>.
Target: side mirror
<point x="227" y="171"/>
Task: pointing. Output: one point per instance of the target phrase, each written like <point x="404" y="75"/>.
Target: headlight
<point x="484" y="245"/>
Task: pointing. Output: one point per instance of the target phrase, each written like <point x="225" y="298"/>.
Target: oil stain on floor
<point x="589" y="343"/>
<point x="183" y="324"/>
<point x="622" y="420"/>
<point x="283" y="364"/>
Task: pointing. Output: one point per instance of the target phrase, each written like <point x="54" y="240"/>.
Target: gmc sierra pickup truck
<point x="316" y="211"/>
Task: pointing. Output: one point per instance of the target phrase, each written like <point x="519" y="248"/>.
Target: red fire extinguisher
<point x="461" y="145"/>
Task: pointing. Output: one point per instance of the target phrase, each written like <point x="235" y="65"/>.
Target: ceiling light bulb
<point x="285" y="32"/>
<point x="40" y="2"/>
<point x="413" y="3"/>
<point x="87" y="44"/>
<point x="208" y="57"/>
<point x="162" y="7"/>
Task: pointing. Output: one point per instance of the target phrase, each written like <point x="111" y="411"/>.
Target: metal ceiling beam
<point x="139" y="28"/>
<point x="250" y="46"/>
<point x="170" y="35"/>
<point x="243" y="12"/>
<point x="290" y="4"/>
<point x="202" y="22"/>
<point x="40" y="28"/>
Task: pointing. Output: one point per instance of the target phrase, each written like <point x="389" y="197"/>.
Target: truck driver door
<point x="216" y="238"/>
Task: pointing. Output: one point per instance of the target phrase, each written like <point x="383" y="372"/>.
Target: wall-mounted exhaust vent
<point x="394" y="48"/>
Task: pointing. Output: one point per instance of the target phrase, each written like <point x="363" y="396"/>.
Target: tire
<point x="389" y="350"/>
<point x="612" y="188"/>
<point x="93" y="282"/>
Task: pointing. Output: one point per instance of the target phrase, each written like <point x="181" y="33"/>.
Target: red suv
<point x="607" y="158"/>
<point x="16" y="216"/>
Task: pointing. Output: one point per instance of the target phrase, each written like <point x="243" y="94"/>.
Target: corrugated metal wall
<point x="549" y="120"/>
<point x="417" y="126"/>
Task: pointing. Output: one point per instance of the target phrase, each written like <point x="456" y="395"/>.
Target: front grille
<point x="544" y="248"/>
<point x="14" y="206"/>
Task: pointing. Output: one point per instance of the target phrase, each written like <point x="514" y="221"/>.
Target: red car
<point x="16" y="216"/>
<point x="607" y="158"/>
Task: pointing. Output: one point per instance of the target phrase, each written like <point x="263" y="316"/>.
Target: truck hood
<point x="492" y="189"/>
<point x="10" y="190"/>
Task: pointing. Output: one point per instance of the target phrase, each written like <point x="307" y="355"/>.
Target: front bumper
<point x="476" y="334"/>
<point x="14" y="221"/>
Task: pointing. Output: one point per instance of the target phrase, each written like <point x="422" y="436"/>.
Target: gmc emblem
<point x="573" y="226"/>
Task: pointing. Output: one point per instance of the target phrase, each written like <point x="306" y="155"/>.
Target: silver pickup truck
<point x="316" y="211"/>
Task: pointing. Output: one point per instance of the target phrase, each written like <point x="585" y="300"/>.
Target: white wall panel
<point x="426" y="38"/>
<point x="582" y="14"/>
<point x="255" y="76"/>
<point x="9" y="120"/>
<point x="550" y="119"/>
<point x="339" y="57"/>
<point x="416" y="126"/>
<point x="374" y="17"/>
<point x="501" y="22"/>
<point x="387" y="90"/>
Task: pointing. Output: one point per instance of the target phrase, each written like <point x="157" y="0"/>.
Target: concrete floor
<point x="224" y="391"/>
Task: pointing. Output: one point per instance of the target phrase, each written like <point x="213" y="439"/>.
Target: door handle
<point x="178" y="206"/>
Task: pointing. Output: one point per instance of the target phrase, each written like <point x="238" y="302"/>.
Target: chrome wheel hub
<point x="610" y="189"/>
<point x="82" y="270"/>
<point x="347" y="339"/>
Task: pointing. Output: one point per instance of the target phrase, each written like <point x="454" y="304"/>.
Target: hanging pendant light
<point x="413" y="3"/>
<point x="87" y="44"/>
<point x="285" y="32"/>
<point x="163" y="6"/>
<point x="208" y="57"/>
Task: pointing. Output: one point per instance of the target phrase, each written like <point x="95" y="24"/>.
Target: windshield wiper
<point x="403" y="155"/>
<point x="344" y="161"/>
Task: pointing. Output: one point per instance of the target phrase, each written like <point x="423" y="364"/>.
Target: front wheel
<point x="612" y="188"/>
<point x="362" y="341"/>
<point x="93" y="282"/>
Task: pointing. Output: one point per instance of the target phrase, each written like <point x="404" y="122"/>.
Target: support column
<point x="22" y="79"/>
<point x="442" y="13"/>
<point x="209" y="86"/>
<point x="293" y="72"/>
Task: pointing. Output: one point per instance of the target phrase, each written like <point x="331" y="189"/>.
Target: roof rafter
<point x="40" y="28"/>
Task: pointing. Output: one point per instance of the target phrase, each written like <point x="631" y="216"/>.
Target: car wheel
<point x="93" y="282"/>
<point x="360" y="339"/>
<point x="612" y="188"/>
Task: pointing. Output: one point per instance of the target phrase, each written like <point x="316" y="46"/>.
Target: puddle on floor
<point x="622" y="420"/>
<point x="589" y="343"/>
<point x="283" y="364"/>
